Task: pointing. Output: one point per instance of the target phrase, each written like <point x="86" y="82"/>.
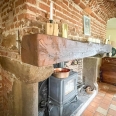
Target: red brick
<point x="59" y="8"/>
<point x="17" y="24"/>
<point x="15" y="19"/>
<point x="59" y="14"/>
<point x="66" y="12"/>
<point x="58" y="2"/>
<point x="44" y="7"/>
<point x="73" y="21"/>
<point x="17" y="10"/>
<point x="21" y="16"/>
<point x="65" y="2"/>
<point x="31" y="1"/>
<point x="5" y="19"/>
<point x="2" y="14"/>
<point x="46" y="1"/>
<point x="5" y="13"/>
<point x="82" y="5"/>
<point x="77" y="1"/>
<point x="27" y="7"/>
<point x="75" y="10"/>
<point x="26" y="16"/>
<point x="88" y="10"/>
<point x="12" y="26"/>
<point x="19" y="2"/>
<point x="30" y="16"/>
<point x="70" y="6"/>
<point x="43" y="14"/>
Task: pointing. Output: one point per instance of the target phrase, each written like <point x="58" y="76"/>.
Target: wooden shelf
<point x="43" y="50"/>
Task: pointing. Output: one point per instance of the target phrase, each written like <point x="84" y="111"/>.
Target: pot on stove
<point x="61" y="72"/>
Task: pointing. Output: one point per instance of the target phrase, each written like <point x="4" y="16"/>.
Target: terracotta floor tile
<point x="110" y="94"/>
<point x="113" y="102"/>
<point x="97" y="100"/>
<point x="99" y="97"/>
<point x="87" y="113"/>
<point x="104" y="106"/>
<point x="108" y="98"/>
<point x="94" y="104"/>
<point x="91" y="108"/>
<point x="101" y="94"/>
<point x="98" y="114"/>
<point x="106" y="101"/>
<point x="112" y="112"/>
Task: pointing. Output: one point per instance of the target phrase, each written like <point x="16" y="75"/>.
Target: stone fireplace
<point x="42" y="50"/>
<point x="20" y="72"/>
<point x="25" y="86"/>
<point x="81" y="99"/>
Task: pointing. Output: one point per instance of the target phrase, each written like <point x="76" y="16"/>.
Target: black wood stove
<point x="58" y="97"/>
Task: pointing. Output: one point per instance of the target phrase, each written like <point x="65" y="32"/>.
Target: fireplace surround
<point x="53" y="104"/>
<point x="39" y="53"/>
<point x="44" y="50"/>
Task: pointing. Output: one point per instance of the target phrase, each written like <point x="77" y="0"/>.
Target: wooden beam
<point x="42" y="50"/>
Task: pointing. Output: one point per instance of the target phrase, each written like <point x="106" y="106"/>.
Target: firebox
<point x="58" y="96"/>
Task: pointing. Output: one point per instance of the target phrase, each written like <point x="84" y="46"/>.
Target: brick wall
<point x="1" y="95"/>
<point x="6" y="96"/>
<point x="20" y="17"/>
<point x="30" y="16"/>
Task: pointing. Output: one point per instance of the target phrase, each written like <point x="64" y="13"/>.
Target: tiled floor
<point x="104" y="104"/>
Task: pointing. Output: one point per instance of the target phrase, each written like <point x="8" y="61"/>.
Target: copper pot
<point x="61" y="72"/>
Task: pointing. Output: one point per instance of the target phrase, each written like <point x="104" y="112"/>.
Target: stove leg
<point x="61" y="110"/>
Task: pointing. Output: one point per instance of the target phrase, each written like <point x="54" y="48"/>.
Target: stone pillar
<point x="17" y="96"/>
<point x="90" y="71"/>
<point x="30" y="99"/>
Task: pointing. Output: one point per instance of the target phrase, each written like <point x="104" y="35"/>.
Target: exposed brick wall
<point x="1" y="95"/>
<point x="30" y="16"/>
<point x="20" y="17"/>
<point x="22" y="13"/>
<point x="6" y="96"/>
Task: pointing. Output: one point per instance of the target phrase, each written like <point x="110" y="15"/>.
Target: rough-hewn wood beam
<point x="41" y="49"/>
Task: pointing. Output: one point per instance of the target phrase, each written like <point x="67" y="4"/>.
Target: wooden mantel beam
<point x="43" y="50"/>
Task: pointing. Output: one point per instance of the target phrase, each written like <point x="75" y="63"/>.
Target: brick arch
<point x="104" y="9"/>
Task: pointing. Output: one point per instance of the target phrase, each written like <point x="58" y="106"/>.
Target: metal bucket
<point x="61" y="72"/>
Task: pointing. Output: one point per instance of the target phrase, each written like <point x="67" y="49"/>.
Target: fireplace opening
<point x="64" y="96"/>
<point x="58" y="96"/>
